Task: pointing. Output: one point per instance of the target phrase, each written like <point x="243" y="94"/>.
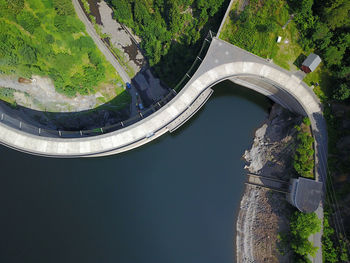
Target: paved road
<point x="225" y="17"/>
<point x="107" y="53"/>
<point x="223" y="61"/>
<point x="91" y="31"/>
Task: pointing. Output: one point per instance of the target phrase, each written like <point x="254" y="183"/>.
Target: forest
<point x="171" y="30"/>
<point x="324" y="27"/>
<point x="44" y="37"/>
<point x="319" y="26"/>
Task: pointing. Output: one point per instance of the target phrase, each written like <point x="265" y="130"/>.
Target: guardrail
<point x="31" y="129"/>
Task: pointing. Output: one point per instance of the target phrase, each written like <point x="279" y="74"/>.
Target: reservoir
<point x="174" y="200"/>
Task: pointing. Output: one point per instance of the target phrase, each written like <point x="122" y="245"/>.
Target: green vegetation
<point x="123" y="61"/>
<point x="302" y="226"/>
<point x="323" y="26"/>
<point x="120" y="101"/>
<point x="312" y="28"/>
<point x="257" y="28"/>
<point x="46" y="38"/>
<point x="170" y="30"/>
<point x="6" y="94"/>
<point x="118" y="54"/>
<point x="319" y="26"/>
<point x="304" y="154"/>
<point x="332" y="253"/>
<point x="342" y="93"/>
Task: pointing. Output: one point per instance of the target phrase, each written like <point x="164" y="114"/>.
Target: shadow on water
<point x="174" y="200"/>
<point x="228" y="89"/>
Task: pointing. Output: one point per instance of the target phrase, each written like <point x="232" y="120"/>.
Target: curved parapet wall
<point x="223" y="61"/>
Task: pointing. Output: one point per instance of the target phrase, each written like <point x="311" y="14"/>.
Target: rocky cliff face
<point x="264" y="213"/>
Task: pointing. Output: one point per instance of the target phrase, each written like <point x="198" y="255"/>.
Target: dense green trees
<point x="49" y="40"/>
<point x="302" y="225"/>
<point x="324" y="26"/>
<point x="336" y="13"/>
<point x="342" y="93"/>
<point x="318" y="26"/>
<point x="333" y="249"/>
<point x="303" y="158"/>
<point x="168" y="28"/>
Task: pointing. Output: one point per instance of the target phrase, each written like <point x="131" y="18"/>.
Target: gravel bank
<point x="119" y="38"/>
<point x="264" y="213"/>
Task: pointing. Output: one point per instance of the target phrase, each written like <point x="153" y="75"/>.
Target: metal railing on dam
<point x="31" y="129"/>
<point x="222" y="61"/>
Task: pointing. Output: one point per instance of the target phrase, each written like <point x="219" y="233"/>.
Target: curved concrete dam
<point x="173" y="200"/>
<point x="223" y="61"/>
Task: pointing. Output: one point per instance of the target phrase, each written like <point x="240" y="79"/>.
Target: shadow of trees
<point x="174" y="65"/>
<point x="170" y="69"/>
<point x="299" y="60"/>
<point x="101" y="116"/>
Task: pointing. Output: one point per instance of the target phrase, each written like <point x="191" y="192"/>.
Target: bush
<point x="303" y="162"/>
<point x="28" y="21"/>
<point x="85" y="43"/>
<point x="342" y="93"/>
<point x="331" y="252"/>
<point x="15" y="5"/>
<point x="28" y="54"/>
<point x="122" y="11"/>
<point x="64" y="7"/>
<point x="307" y="121"/>
<point x="302" y="225"/>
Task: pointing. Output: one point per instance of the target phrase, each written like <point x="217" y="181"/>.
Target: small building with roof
<point x="305" y="194"/>
<point x="311" y="63"/>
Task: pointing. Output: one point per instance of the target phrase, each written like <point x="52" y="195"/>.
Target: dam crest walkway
<point x="223" y="61"/>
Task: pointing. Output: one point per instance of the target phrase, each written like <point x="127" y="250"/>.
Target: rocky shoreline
<point x="264" y="213"/>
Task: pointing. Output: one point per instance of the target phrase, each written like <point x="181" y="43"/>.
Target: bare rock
<point x="264" y="213"/>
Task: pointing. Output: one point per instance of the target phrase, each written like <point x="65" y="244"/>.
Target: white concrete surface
<point x="209" y="74"/>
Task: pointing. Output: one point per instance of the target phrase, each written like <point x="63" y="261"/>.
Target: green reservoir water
<point x="172" y="201"/>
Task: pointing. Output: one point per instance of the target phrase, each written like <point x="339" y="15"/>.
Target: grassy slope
<point x="258" y="34"/>
<point x="257" y="28"/>
<point x="64" y="55"/>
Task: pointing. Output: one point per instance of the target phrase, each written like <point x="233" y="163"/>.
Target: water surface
<point x="174" y="200"/>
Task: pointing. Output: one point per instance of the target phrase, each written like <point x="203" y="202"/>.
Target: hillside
<point x="46" y="38"/>
<point x="309" y="26"/>
<point x="171" y="30"/>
